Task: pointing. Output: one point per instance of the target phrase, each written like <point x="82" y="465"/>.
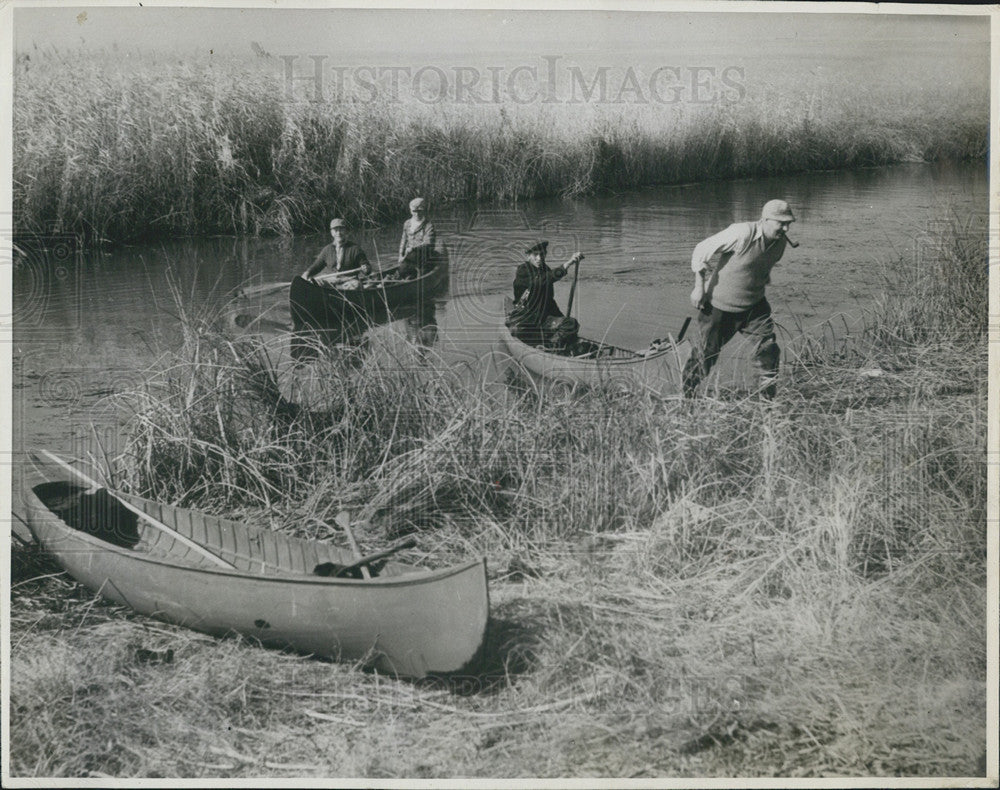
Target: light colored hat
<point x="777" y="209"/>
<point x="416" y="203"/>
<point x="337" y="223"/>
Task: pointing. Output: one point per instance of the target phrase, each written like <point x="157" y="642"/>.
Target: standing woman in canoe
<point x="536" y="318"/>
<point x="417" y="245"/>
<point x="342" y="255"/>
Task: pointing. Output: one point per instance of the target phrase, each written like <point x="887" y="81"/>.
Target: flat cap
<point x="777" y="209"/>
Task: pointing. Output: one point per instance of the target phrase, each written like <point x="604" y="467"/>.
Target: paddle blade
<point x="684" y="329"/>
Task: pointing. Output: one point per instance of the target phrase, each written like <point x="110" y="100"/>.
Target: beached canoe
<point x="322" y="304"/>
<point x="221" y="577"/>
<point x="657" y="368"/>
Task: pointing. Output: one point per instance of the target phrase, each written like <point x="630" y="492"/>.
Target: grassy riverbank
<point x="795" y="589"/>
<point x="130" y="147"/>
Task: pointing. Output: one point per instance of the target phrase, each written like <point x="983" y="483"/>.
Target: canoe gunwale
<point x="414" y="577"/>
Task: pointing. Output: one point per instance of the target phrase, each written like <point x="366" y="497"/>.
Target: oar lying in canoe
<point x="365" y="563"/>
<point x="361" y="563"/>
<point x="332" y="278"/>
<point x="272" y="288"/>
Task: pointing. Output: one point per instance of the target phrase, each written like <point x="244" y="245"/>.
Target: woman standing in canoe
<point x="417" y="245"/>
<point x="536" y="318"/>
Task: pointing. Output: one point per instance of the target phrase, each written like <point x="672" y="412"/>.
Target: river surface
<point x="87" y="322"/>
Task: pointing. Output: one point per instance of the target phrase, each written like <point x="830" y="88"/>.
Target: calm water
<point x="87" y="324"/>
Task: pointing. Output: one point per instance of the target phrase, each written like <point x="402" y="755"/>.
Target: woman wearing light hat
<point x="730" y="295"/>
<point x="417" y="245"/>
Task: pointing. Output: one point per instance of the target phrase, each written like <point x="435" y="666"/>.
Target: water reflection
<point x="267" y="310"/>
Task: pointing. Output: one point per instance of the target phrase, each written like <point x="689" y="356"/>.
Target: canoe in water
<point x="327" y="303"/>
<point x="596" y="364"/>
<point x="220" y="577"/>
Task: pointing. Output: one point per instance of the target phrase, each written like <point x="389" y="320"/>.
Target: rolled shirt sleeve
<point x="724" y="241"/>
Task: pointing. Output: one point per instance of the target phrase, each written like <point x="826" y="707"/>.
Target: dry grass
<point x="738" y="588"/>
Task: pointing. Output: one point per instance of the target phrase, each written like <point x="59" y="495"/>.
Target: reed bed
<point x="123" y="146"/>
<point x="737" y="587"/>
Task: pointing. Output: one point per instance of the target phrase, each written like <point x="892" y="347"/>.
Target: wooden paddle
<point x="95" y="486"/>
<point x="363" y="562"/>
<point x="572" y="288"/>
<point x="343" y="519"/>
<point x="335" y="275"/>
<point x="684" y="328"/>
<point x="265" y="290"/>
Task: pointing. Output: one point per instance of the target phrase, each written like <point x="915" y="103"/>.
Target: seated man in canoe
<point x="342" y="255"/>
<point x="416" y="248"/>
<point x="536" y="318"/>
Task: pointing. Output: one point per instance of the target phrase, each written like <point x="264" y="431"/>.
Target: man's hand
<point x="698" y="295"/>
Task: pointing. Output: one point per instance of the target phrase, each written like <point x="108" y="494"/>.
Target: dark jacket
<point x="353" y="258"/>
<point x="534" y="298"/>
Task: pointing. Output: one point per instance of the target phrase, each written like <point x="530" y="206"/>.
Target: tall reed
<point x="131" y="147"/>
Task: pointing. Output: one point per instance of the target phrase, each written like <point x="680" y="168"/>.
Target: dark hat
<point x="541" y="247"/>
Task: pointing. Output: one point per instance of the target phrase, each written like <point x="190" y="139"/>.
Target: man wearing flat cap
<point x="536" y="317"/>
<point x="417" y="245"/>
<point x="730" y="295"/>
<point x="342" y="255"/>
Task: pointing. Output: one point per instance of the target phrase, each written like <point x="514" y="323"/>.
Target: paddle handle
<point x="343" y="518"/>
<point x="144" y="516"/>
<point x="572" y="289"/>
